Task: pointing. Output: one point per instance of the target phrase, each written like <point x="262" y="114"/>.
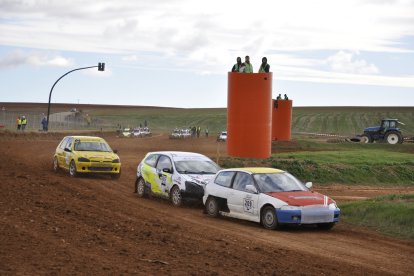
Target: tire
<point x="366" y="139"/>
<point x="140" y="187"/>
<point x="212" y="207"/>
<point x="268" y="218"/>
<point x="55" y="165"/>
<point x="393" y="137"/>
<point x="326" y="226"/>
<point x="175" y="196"/>
<point x="72" y="169"/>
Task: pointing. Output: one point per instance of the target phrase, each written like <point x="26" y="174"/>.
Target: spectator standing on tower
<point x="248" y="66"/>
<point x="238" y="67"/>
<point x="264" y="67"/>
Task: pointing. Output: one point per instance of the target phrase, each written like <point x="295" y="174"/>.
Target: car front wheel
<point x="212" y="207"/>
<point x="72" y="169"/>
<point x="175" y="196"/>
<point x="55" y="164"/>
<point x="140" y="187"/>
<point x="269" y="219"/>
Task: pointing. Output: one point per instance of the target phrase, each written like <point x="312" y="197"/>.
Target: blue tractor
<point x="388" y="132"/>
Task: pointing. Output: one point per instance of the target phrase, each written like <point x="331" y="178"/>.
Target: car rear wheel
<point x="175" y="196"/>
<point x="393" y="138"/>
<point x="325" y="226"/>
<point x="268" y="218"/>
<point x="140" y="187"/>
<point x="55" y="164"/>
<point x="212" y="207"/>
<point x="72" y="169"/>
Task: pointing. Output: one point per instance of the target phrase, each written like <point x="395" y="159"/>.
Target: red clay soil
<point x="53" y="224"/>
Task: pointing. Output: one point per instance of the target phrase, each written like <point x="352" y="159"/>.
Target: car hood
<point x="98" y="155"/>
<point x="302" y="198"/>
<point x="201" y="179"/>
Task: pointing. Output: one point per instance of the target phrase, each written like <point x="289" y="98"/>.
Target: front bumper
<point x="307" y="216"/>
<point x="98" y="167"/>
<point x="193" y="190"/>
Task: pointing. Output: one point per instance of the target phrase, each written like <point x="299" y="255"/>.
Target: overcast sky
<point x="177" y="53"/>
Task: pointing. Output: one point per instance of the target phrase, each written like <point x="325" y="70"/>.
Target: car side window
<point x="224" y="179"/>
<point x="241" y="180"/>
<point x="63" y="143"/>
<point x="164" y="162"/>
<point x="151" y="160"/>
<point x="69" y="144"/>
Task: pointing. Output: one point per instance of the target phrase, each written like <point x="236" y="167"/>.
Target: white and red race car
<point x="269" y="196"/>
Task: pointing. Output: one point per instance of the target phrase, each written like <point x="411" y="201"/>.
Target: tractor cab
<point x="388" y="132"/>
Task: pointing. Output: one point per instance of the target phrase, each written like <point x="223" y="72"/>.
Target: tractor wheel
<point x="393" y="137"/>
<point x="365" y="138"/>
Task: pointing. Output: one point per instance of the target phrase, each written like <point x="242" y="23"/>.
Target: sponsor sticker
<point x="248" y="205"/>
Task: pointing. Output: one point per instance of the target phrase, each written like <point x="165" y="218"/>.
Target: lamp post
<point x="101" y="67"/>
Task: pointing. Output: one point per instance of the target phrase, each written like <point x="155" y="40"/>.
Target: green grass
<point x="322" y="163"/>
<point x="392" y="215"/>
<point x="339" y="120"/>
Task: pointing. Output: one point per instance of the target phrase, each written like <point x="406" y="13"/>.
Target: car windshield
<point x="196" y="167"/>
<point x="92" y="146"/>
<point x="278" y="182"/>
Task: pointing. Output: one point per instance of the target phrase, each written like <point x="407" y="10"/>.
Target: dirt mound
<point x="53" y="224"/>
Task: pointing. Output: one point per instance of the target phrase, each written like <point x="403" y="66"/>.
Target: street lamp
<point x="101" y="67"/>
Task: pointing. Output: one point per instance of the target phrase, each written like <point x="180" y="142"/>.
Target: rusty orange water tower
<point x="249" y="115"/>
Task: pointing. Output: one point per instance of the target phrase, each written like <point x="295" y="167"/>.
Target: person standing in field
<point x="24" y="122"/>
<point x="248" y="66"/>
<point x="18" y="123"/>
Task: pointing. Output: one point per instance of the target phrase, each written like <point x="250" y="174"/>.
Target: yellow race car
<point x="86" y="154"/>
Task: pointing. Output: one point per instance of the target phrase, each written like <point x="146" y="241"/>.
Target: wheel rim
<point x="176" y="196"/>
<point x="140" y="188"/>
<point x="392" y="138"/>
<point x="365" y="139"/>
<point x="269" y="218"/>
<point x="212" y="206"/>
<point x="72" y="169"/>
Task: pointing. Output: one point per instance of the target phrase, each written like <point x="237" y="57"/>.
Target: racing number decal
<point x="248" y="205"/>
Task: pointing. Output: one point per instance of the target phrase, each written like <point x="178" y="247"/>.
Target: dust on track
<point x="51" y="223"/>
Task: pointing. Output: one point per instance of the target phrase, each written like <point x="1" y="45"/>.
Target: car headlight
<point x="333" y="206"/>
<point x="83" y="159"/>
<point x="116" y="161"/>
<point x="288" y="207"/>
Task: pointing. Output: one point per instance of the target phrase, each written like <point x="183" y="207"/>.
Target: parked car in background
<point x="86" y="154"/>
<point x="269" y="196"/>
<point x="222" y="136"/>
<point x="174" y="175"/>
<point x="127" y="132"/>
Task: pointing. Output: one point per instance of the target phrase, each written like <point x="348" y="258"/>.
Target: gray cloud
<point x="18" y="58"/>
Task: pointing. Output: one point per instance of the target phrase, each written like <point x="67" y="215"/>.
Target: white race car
<point x="269" y="196"/>
<point x="174" y="175"/>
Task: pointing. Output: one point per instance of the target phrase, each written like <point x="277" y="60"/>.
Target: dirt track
<point x="53" y="224"/>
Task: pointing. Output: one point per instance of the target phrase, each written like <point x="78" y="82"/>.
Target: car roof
<point x="255" y="170"/>
<point x="177" y="153"/>
<point x="90" y="138"/>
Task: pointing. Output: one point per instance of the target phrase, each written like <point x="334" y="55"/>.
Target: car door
<point x="163" y="177"/>
<point x="67" y="152"/>
<point x="242" y="203"/>
<point x="60" y="153"/>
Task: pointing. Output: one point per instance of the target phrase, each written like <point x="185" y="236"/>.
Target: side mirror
<point x="67" y="150"/>
<point x="308" y="185"/>
<point x="251" y="189"/>
<point x="115" y="151"/>
<point x="167" y="170"/>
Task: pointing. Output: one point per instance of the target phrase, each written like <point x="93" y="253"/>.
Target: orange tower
<point x="281" y="120"/>
<point x="249" y="115"/>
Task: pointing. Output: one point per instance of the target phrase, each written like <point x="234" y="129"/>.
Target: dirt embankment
<point x="51" y="223"/>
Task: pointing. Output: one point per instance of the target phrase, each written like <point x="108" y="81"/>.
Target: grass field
<point x="392" y="214"/>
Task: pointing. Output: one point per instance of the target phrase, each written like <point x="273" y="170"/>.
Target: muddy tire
<point x="140" y="187"/>
<point x="212" y="207"/>
<point x="268" y="218"/>
<point x="116" y="175"/>
<point x="72" y="169"/>
<point x="326" y="226"/>
<point x="175" y="196"/>
<point x="56" y="167"/>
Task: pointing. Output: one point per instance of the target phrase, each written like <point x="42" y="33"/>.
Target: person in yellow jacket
<point x="248" y="66"/>
<point x="18" y="123"/>
<point x="24" y="123"/>
<point x="264" y="67"/>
